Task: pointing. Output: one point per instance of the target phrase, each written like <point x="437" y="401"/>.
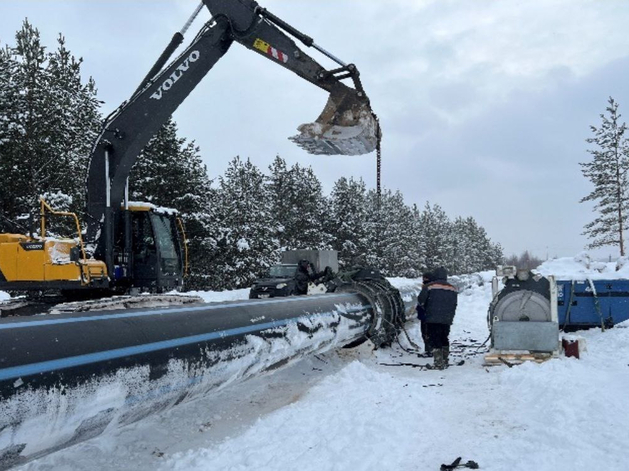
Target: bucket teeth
<point x="356" y="139"/>
<point x="346" y="126"/>
<point x="321" y="146"/>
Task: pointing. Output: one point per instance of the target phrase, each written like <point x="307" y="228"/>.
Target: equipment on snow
<point x="426" y="366"/>
<point x="523" y="315"/>
<point x="457" y="464"/>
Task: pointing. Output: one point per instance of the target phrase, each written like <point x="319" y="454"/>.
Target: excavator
<point x="129" y="246"/>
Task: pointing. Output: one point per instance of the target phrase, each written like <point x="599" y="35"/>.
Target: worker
<point x="438" y="298"/>
<point x="421" y="315"/>
<point x="306" y="274"/>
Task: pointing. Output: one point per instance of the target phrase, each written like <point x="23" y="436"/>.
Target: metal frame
<point x="45" y="207"/>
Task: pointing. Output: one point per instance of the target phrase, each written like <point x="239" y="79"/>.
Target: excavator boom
<point x="346" y="126"/>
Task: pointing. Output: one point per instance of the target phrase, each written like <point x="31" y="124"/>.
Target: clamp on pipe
<point x="389" y="312"/>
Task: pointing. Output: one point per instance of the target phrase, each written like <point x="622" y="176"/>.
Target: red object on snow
<point x="570" y="348"/>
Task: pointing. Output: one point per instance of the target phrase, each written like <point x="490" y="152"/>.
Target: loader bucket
<point x="346" y="126"/>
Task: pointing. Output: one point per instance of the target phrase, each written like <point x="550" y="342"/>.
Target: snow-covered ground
<point x="346" y="410"/>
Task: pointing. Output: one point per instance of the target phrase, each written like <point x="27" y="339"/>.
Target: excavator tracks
<point x="58" y="305"/>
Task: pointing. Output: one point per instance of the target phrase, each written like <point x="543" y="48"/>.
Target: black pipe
<point x="65" y="378"/>
<point x="76" y="373"/>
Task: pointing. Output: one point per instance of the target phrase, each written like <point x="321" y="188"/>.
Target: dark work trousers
<point x="438" y="335"/>
<point x="427" y="345"/>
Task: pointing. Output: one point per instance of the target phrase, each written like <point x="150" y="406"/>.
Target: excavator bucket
<point x="347" y="126"/>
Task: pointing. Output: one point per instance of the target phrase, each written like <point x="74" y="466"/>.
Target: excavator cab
<point x="149" y="254"/>
<point x="149" y="251"/>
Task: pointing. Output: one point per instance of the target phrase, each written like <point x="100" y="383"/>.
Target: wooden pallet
<point x="512" y="359"/>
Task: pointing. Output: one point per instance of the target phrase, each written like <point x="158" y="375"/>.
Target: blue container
<point x="575" y="300"/>
<point x="119" y="272"/>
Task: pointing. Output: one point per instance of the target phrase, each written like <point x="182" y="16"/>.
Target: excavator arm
<point x="347" y="126"/>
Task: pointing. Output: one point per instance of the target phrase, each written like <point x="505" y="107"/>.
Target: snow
<point x="152" y="207"/>
<point x="59" y="250"/>
<point x="582" y="267"/>
<point x="401" y="283"/>
<point x="220" y="296"/>
<point x="4" y="296"/>
<point x="345" y="410"/>
<point x="550" y="416"/>
<point x="243" y="244"/>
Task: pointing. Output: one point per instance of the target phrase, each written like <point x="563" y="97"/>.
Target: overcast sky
<point x="485" y="105"/>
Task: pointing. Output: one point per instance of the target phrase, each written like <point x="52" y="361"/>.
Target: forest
<point x="236" y="225"/>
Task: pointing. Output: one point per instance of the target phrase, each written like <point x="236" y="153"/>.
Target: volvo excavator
<point x="130" y="246"/>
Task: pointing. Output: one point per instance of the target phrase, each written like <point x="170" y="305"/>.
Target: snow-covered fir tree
<point x="48" y="121"/>
<point x="492" y="254"/>
<point x="419" y="243"/>
<point x="248" y="243"/>
<point x="435" y="236"/>
<point x="170" y="172"/>
<point x="297" y="206"/>
<point x="348" y="221"/>
<point x="473" y="250"/>
<point x="608" y="173"/>
<point x="392" y="244"/>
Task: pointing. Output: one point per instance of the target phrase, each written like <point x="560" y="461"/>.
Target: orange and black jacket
<point x="438" y="298"/>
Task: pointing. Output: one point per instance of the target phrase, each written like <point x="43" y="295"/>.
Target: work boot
<point x="446" y="356"/>
<point x="427" y="353"/>
<point x="439" y="362"/>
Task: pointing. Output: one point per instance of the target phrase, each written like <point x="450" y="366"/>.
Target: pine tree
<point x="473" y="251"/>
<point x="436" y="237"/>
<point x="465" y="252"/>
<point x="608" y="173"/>
<point x="418" y="247"/>
<point x="494" y="256"/>
<point x="247" y="244"/>
<point x="297" y="207"/>
<point x="170" y="172"/>
<point x="49" y="119"/>
<point x="348" y="221"/>
<point x="392" y="245"/>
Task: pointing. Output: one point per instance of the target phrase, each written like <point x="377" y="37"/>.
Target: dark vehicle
<point x="279" y="281"/>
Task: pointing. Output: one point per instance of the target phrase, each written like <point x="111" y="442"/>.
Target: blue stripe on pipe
<point x="205" y="307"/>
<point x="79" y="360"/>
